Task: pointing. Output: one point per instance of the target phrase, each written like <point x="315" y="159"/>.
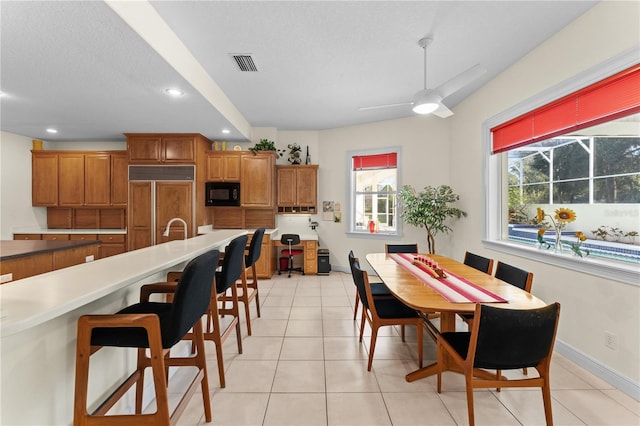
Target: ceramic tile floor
<point x="303" y="365"/>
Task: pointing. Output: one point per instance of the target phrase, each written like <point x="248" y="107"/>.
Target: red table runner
<point x="453" y="288"/>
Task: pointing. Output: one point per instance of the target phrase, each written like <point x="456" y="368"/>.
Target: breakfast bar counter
<point x="38" y="318"/>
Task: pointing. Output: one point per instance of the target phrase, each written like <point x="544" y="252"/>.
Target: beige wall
<point x="590" y="305"/>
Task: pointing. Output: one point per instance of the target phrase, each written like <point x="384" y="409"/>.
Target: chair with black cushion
<point x="232" y="268"/>
<point x="383" y="311"/>
<point x="502" y="339"/>
<point x="378" y="289"/>
<point x="478" y="262"/>
<point x="514" y="276"/>
<point x="250" y="288"/>
<point x="153" y="326"/>
<point x="290" y="240"/>
<point x="401" y="248"/>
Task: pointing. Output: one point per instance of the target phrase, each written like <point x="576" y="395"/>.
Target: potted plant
<point x="430" y="209"/>
<point x="265" y="145"/>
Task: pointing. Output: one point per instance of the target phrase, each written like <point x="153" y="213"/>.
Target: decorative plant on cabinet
<point x="430" y="209"/>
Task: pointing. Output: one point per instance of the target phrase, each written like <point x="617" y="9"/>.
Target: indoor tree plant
<point x="430" y="209"/>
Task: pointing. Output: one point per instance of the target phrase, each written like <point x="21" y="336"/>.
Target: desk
<point x="411" y="291"/>
<point x="310" y="253"/>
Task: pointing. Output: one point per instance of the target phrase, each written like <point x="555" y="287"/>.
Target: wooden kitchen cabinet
<point x="297" y="188"/>
<point x="111" y="244"/>
<point x="70" y="179"/>
<point x="258" y="180"/>
<point x="27" y="236"/>
<point x="119" y="179"/>
<point x="97" y="180"/>
<point x="161" y="148"/>
<point x="79" y="179"/>
<point x="172" y="199"/>
<point x="223" y="166"/>
<point x="44" y="179"/>
<point x="310" y="257"/>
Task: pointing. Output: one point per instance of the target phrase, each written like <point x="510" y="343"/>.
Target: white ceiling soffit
<point x="79" y="67"/>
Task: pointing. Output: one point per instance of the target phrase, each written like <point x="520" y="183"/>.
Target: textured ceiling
<point x="79" y="67"/>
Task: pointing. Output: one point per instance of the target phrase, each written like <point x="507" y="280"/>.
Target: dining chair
<point x="290" y="240"/>
<point x="401" y="248"/>
<point x="231" y="271"/>
<point x="382" y="311"/>
<point x="478" y="262"/>
<point x="156" y="327"/>
<point x="514" y="276"/>
<point x="502" y="339"/>
<point x="378" y="289"/>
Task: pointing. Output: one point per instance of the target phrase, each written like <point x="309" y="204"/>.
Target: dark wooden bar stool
<point x="153" y="326"/>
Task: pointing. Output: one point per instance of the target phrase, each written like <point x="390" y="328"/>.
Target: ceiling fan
<point x="428" y="101"/>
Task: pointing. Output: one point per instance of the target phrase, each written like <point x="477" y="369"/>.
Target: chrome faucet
<point x="166" y="230"/>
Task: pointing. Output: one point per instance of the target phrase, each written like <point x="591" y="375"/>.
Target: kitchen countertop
<point x="13" y="249"/>
<point x="32" y="301"/>
<point x="32" y="230"/>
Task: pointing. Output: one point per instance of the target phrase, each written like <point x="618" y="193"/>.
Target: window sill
<point x="375" y="235"/>
<point x="628" y="273"/>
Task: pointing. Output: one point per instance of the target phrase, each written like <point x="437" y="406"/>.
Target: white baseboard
<point x="610" y="376"/>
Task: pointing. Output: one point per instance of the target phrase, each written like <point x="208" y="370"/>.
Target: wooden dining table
<point x="413" y="292"/>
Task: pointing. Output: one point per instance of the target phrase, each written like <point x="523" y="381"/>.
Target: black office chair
<point x="153" y="326"/>
<point x="478" y="262"/>
<point x="502" y="339"/>
<point x="378" y="289"/>
<point x="401" y="248"/>
<point x="290" y="240"/>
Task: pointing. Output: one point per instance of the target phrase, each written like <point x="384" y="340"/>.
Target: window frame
<point x="495" y="179"/>
<point x="351" y="231"/>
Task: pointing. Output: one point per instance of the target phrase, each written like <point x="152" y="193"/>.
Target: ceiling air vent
<point x="244" y="61"/>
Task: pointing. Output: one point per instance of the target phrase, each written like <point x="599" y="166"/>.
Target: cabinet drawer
<point x="83" y="237"/>
<point x="55" y="237"/>
<point x="111" y="238"/>
<point x="27" y="236"/>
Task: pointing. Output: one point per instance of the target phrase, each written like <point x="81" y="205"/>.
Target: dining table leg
<point x="447" y="323"/>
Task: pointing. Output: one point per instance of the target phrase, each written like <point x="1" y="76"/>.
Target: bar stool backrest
<point x="232" y="264"/>
<point x="254" y="247"/>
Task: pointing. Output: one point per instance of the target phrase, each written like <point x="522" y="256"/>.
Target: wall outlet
<point x="89" y="258"/>
<point x="610" y="340"/>
<point x="5" y="278"/>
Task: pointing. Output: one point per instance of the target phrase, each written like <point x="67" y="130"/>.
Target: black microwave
<point x="222" y="194"/>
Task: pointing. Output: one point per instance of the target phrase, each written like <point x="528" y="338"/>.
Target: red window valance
<point x="375" y="161"/>
<point x="606" y="100"/>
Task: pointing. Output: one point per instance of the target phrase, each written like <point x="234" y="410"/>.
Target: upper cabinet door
<point x="286" y="186"/>
<point x="144" y="148"/>
<point x="97" y="180"/>
<point x="223" y="167"/>
<point x="257" y="180"/>
<point x="119" y="179"/>
<point x="44" y="179"/>
<point x="178" y="149"/>
<point x="306" y="186"/>
<point x="70" y="180"/>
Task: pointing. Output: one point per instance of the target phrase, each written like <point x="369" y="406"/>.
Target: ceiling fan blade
<point x="384" y="106"/>
<point x="442" y="111"/>
<point x="458" y="82"/>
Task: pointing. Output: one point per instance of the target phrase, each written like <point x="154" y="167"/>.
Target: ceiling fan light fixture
<point x="426" y="101"/>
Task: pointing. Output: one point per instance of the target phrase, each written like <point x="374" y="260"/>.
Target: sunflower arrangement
<point x="575" y="247"/>
<point x="562" y="216"/>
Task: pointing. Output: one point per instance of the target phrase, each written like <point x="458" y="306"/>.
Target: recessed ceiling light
<point x="175" y="92"/>
<point x="51" y="130"/>
<point x="226" y="131"/>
